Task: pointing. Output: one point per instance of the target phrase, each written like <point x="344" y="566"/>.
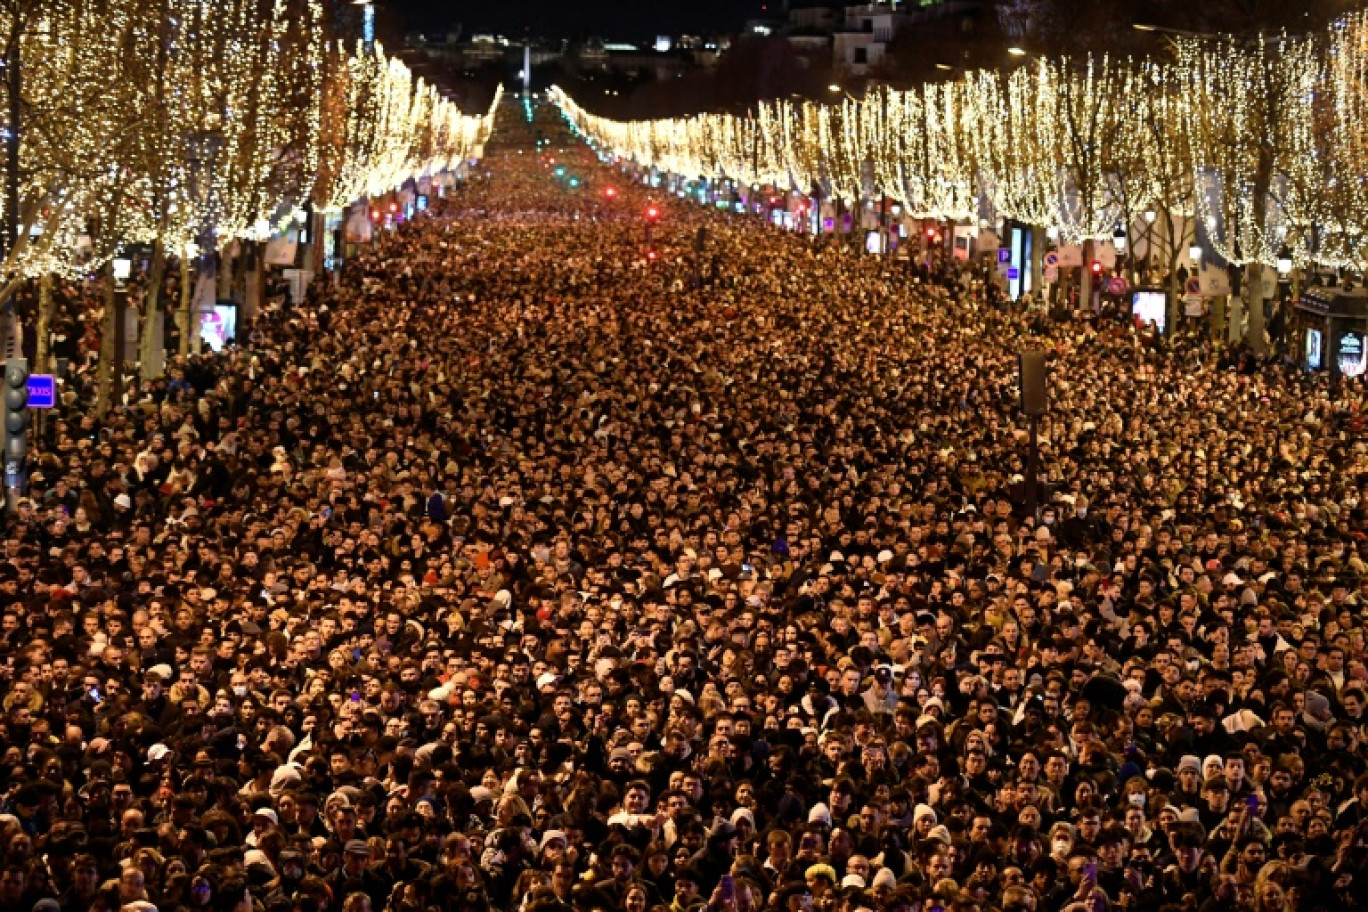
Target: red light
<point x="394" y="207"/>
<point x="610" y="193"/>
<point x="1097" y="268"/>
<point x="651" y="255"/>
<point x="652" y="213"/>
<point x="375" y="215"/>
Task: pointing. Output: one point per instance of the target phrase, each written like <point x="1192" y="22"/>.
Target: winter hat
<point x="821" y="870"/>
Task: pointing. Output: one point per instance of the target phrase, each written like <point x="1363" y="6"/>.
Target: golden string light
<point x="148" y="121"/>
<point x="1246" y="115"/>
<point x="1264" y="143"/>
<point x="1328" y="220"/>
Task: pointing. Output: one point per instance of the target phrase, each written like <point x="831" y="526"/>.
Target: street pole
<point x="883" y="222"/>
<point x="44" y="343"/>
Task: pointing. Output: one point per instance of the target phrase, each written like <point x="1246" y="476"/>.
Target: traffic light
<point x="611" y="193"/>
<point x="1096" y="269"/>
<point x="560" y="172"/>
<point x="651" y="256"/>
<point x="652" y="213"/>
<point x="16" y="419"/>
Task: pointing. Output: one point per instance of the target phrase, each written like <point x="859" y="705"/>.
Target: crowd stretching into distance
<point x="520" y="570"/>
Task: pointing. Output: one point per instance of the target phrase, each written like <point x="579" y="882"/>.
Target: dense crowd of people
<point x="525" y="568"/>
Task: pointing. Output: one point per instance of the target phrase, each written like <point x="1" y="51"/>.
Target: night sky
<point x="614" y="19"/>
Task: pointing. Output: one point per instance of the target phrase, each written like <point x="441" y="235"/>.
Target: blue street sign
<point x="1013" y="274"/>
<point x="42" y="391"/>
<point x="1004" y="255"/>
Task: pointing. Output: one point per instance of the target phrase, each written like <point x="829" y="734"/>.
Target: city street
<point x="581" y="547"/>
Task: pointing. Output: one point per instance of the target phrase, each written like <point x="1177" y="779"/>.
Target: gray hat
<point x="356" y="847"/>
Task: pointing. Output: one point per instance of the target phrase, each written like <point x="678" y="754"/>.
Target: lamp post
<point x="1284" y="263"/>
<point x="837" y="90"/>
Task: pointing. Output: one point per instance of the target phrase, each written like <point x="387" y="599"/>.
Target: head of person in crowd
<point x="518" y="570"/>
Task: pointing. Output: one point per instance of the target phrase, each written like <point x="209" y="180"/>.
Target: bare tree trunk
<point x="1172" y="305"/>
<point x="1235" y="312"/>
<point x="1256" y="334"/>
<point x="186" y="296"/>
<point x="150" y="350"/>
<point x="1037" y="264"/>
<point x="109" y="348"/>
<point x="224" y="274"/>
<point x="43" y="350"/>
<point x="241" y="263"/>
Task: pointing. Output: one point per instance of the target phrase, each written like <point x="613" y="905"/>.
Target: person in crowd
<point x="526" y="567"/>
